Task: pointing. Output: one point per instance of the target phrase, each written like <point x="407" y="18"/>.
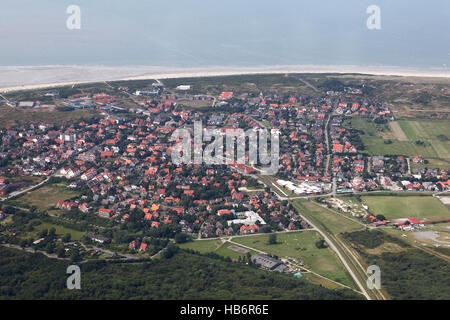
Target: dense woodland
<point x="179" y="275"/>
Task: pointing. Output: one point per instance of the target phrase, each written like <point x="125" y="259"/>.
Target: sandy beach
<point x="16" y="78"/>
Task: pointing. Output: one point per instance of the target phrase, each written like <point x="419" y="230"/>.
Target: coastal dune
<point x="16" y="78"/>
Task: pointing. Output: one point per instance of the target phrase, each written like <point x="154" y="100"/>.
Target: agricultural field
<point x="381" y="140"/>
<point x="434" y="133"/>
<point x="428" y="208"/>
<point x="301" y="245"/>
<point x="45" y="197"/>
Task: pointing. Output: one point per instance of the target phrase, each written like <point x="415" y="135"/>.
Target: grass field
<point x="397" y="131"/>
<point x="46" y="197"/>
<point x="216" y="246"/>
<point x="226" y="252"/>
<point x="432" y="163"/>
<point x="436" y="133"/>
<point x="202" y="246"/>
<point x="331" y="222"/>
<point x="60" y="230"/>
<point x="17" y="116"/>
<point x="301" y="245"/>
<point x="404" y="207"/>
<point x="374" y="141"/>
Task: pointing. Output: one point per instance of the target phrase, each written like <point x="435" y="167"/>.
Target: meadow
<point x="46" y="197"/>
<point x="428" y="208"/>
<point x="330" y="221"/>
<point x="434" y="133"/>
<point x="376" y="141"/>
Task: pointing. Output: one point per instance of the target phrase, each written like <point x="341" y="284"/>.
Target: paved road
<point x="327" y="142"/>
<point x="17" y="193"/>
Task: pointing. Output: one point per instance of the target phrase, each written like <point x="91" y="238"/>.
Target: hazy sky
<point x="233" y="32"/>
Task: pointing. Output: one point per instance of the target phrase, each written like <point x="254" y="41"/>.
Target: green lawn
<point x="404" y="207"/>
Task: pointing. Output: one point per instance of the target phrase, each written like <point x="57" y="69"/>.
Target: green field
<point x="428" y="208"/>
<point x="435" y="133"/>
<point x="60" y="230"/>
<point x="330" y="221"/>
<point x="301" y="245"/>
<point x="432" y="163"/>
<point x="46" y="196"/>
<point x="217" y="246"/>
<point x="19" y="116"/>
<point x="202" y="246"/>
<point x="226" y="252"/>
<point x="374" y="141"/>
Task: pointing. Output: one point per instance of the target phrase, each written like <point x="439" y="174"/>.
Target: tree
<point x="170" y="251"/>
<point x="181" y="238"/>
<point x="272" y="238"/>
<point x="321" y="244"/>
<point x="61" y="252"/>
<point x="23" y="243"/>
<point x="75" y="255"/>
<point x="66" y="237"/>
<point x="43" y="233"/>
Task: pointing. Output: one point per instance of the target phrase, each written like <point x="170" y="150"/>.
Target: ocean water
<point x="197" y="33"/>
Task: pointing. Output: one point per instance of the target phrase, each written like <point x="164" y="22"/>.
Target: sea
<point x="239" y="33"/>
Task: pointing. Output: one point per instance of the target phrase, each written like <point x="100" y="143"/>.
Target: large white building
<point x="247" y="217"/>
<point x="302" y="188"/>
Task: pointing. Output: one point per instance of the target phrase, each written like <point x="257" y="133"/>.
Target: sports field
<point x="392" y="207"/>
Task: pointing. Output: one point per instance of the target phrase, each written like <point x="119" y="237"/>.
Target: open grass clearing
<point x="60" y="230"/>
<point x="427" y="208"/>
<point x="47" y="196"/>
<point x="331" y="221"/>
